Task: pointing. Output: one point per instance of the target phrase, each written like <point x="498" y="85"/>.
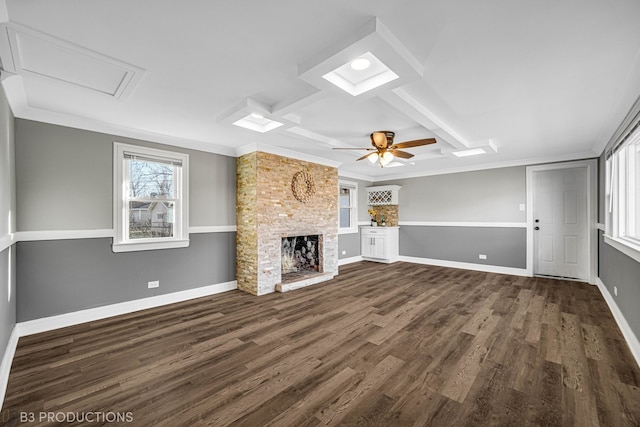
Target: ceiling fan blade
<point x="414" y="143"/>
<point x="354" y="148"/>
<point x="365" y="156"/>
<point x="402" y="154"/>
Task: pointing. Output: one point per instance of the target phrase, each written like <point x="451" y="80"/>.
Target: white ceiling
<point x="543" y="81"/>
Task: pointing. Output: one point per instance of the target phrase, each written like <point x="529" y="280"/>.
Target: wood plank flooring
<point x="380" y="345"/>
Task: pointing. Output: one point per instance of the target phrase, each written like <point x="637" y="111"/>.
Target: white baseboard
<point x="467" y="266"/>
<point x="351" y="260"/>
<point x="36" y="326"/>
<point x="632" y="339"/>
<point x="7" y="359"/>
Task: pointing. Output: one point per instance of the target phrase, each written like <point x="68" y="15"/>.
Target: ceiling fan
<point x="384" y="149"/>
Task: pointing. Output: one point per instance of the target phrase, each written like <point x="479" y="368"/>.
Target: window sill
<point x="148" y="246"/>
<point x="624" y="247"/>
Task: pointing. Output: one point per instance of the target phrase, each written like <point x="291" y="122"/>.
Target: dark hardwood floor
<point x="381" y="345"/>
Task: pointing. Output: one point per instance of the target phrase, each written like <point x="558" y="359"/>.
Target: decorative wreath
<point x="303" y="186"/>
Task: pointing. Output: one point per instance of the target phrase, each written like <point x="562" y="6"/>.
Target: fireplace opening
<point x="301" y="256"/>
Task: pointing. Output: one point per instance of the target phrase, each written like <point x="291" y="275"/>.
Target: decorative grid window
<point x="623" y="194"/>
<point x="383" y="195"/>
<point x="151" y="191"/>
<point x="380" y="197"/>
<point x="348" y="205"/>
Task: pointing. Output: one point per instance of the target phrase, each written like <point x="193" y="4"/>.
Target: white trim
<point x="354" y="175"/>
<point x="481" y="167"/>
<point x="7" y="359"/>
<point x="600" y="226"/>
<point x="6" y="241"/>
<point x="592" y="166"/>
<point x="627" y="332"/>
<point x="212" y="229"/>
<point x="464" y="224"/>
<point x="271" y="149"/>
<point x="466" y="265"/>
<point x="89" y="315"/>
<point x="121" y="240"/>
<point x="622" y="247"/>
<point x="149" y="246"/>
<point x="353" y="193"/>
<point x="351" y="260"/>
<point x="28" y="236"/>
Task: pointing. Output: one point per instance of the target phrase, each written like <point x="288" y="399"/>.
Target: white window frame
<point x="617" y="195"/>
<point x="353" y="186"/>
<point x="180" y="239"/>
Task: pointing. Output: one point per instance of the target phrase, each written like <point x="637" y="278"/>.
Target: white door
<point x="560" y="221"/>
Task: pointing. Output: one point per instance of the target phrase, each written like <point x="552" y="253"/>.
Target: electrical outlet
<point x="615" y="290"/>
<point x="154" y="284"/>
<point x="344" y="252"/>
<point x="522" y="207"/>
<point x="481" y="256"/>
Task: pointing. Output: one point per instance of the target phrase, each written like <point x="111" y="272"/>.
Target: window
<point x="623" y="195"/>
<point x="150" y="206"/>
<point x="348" y="205"/>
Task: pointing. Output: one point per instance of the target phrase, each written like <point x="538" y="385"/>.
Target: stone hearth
<point x="267" y="211"/>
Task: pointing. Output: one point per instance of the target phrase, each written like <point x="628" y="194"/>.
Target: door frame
<point x="592" y="210"/>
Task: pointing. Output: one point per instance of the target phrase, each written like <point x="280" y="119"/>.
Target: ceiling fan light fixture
<point x="373" y="157"/>
<point x="386" y="158"/>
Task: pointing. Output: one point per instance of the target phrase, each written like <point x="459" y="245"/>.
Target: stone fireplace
<point x="269" y="217"/>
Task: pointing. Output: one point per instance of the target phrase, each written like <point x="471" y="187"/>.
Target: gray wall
<point x="617" y="269"/>
<point x="7" y="221"/>
<point x="492" y="195"/>
<point x="349" y="244"/>
<point x="64" y="180"/>
<point x="63" y="276"/>
<point x="504" y="247"/>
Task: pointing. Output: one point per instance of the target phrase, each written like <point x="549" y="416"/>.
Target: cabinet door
<point x="366" y="246"/>
<point x="373" y="246"/>
<point x="379" y="244"/>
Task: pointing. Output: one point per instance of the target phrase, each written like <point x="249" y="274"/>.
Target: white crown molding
<point x="463" y="224"/>
<point x="627" y="332"/>
<point x="250" y="148"/>
<point x="486" y="166"/>
<point x="115" y="130"/>
<point x="353" y="175"/>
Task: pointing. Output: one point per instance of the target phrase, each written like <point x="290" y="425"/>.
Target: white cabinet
<point x="379" y="243"/>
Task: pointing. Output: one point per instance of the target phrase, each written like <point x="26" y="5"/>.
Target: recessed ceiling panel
<point x="41" y="55"/>
<point x="45" y="59"/>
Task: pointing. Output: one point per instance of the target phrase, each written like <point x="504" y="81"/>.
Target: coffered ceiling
<point x="536" y="81"/>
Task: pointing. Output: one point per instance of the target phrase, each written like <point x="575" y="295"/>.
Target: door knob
<point x="536" y="228"/>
